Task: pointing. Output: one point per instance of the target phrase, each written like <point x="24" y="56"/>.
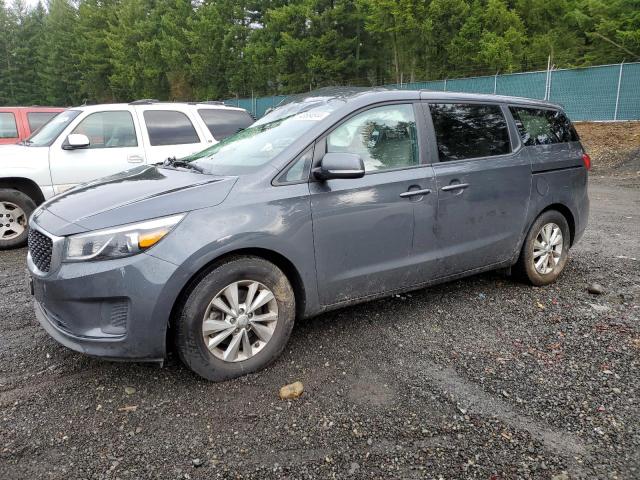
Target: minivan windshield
<point x="248" y="150"/>
<point x="46" y="135"/>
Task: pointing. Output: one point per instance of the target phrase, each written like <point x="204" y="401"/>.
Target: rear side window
<point x="469" y="130"/>
<point x="8" y="127"/>
<point x="224" y="123"/>
<point x="168" y="127"/>
<point x="38" y="119"/>
<point x="538" y="126"/>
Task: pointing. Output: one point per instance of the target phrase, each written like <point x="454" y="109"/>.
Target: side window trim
<point x="502" y="106"/>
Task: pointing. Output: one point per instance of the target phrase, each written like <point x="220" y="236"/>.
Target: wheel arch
<point x="24" y="185"/>
<point x="279" y="260"/>
<point x="567" y="213"/>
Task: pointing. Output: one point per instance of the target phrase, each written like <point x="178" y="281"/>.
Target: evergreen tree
<point x="93" y="56"/>
<point x="59" y="72"/>
<point x="7" y="50"/>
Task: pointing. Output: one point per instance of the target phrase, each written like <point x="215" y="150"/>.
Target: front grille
<point x="40" y="248"/>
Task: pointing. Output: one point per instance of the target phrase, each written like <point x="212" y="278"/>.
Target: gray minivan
<point x="336" y="197"/>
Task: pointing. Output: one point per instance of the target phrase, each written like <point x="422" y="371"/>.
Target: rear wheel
<point x="236" y="320"/>
<point x="546" y="249"/>
<point x="15" y="209"/>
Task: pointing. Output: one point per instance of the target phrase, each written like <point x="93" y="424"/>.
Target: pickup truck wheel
<point x="15" y="209"/>
<point x="236" y="320"/>
<point x="546" y="249"/>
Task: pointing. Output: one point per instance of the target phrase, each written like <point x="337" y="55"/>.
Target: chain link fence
<point x="600" y="93"/>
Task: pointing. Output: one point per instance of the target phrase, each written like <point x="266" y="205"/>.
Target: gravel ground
<point x="480" y="378"/>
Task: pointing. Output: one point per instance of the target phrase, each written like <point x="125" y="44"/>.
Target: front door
<point x="115" y="146"/>
<point x="483" y="186"/>
<point x="364" y="228"/>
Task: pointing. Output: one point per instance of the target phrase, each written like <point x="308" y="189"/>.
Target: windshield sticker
<point x="311" y="116"/>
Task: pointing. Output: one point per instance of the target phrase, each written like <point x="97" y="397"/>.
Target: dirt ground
<point x="613" y="146"/>
<point x="480" y="378"/>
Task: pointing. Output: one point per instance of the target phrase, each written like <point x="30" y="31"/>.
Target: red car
<point x="18" y="123"/>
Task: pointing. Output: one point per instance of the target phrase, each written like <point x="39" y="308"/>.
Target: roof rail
<point x="212" y="102"/>
<point x="144" y="101"/>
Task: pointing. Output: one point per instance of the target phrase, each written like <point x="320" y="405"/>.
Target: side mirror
<point x="339" y="165"/>
<point x="76" y="141"/>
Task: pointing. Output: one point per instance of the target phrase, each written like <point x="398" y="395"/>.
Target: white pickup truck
<point x="89" y="142"/>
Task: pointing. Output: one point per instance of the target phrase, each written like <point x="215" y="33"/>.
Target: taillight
<point x="586" y="159"/>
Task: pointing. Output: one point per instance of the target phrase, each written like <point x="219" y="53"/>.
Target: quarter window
<point x="168" y="127"/>
<point x="469" y="131"/>
<point x="538" y="126"/>
<point x="108" y="130"/>
<point x="38" y="119"/>
<point x="223" y="123"/>
<point x="299" y="171"/>
<point x="8" y="127"/>
<point x="385" y="137"/>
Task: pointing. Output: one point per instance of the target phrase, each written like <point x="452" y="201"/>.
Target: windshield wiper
<point x="26" y="142"/>
<point x="173" y="162"/>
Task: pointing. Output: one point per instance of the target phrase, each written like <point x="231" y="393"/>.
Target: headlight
<point x="118" y="242"/>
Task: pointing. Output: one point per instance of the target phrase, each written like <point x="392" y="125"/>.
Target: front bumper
<point x="118" y="309"/>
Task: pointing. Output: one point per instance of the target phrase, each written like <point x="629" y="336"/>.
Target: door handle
<point x="413" y="193"/>
<point x="135" y="159"/>
<point x="455" y="186"/>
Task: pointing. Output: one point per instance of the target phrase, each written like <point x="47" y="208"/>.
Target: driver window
<point x="384" y="137"/>
<point x="108" y="130"/>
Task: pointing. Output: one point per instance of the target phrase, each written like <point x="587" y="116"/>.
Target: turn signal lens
<point x="586" y="159"/>
<point x="146" y="240"/>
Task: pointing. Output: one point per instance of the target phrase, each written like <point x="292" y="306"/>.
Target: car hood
<point x="135" y="195"/>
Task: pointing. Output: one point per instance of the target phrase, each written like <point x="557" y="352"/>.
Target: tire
<point x="15" y="209"/>
<point x="531" y="266"/>
<point x="244" y="272"/>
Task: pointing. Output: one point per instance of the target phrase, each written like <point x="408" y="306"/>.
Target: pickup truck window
<point x="38" y="119"/>
<point x="8" y="127"/>
<point x="224" y="123"/>
<point x="112" y="129"/>
<point x="49" y="132"/>
<point x="167" y="127"/>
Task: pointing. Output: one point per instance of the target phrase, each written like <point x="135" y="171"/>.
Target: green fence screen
<point x="605" y="92"/>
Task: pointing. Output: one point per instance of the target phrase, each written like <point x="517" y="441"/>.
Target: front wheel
<point x="546" y="249"/>
<point x="15" y="208"/>
<point x="236" y="320"/>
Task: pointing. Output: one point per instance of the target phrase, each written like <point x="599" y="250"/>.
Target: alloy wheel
<point x="547" y="248"/>
<point x="240" y="321"/>
<point x="13" y="220"/>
